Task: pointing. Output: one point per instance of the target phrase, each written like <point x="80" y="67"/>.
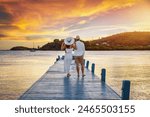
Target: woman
<point x="68" y="46"/>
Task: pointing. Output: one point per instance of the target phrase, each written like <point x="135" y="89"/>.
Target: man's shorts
<point x="79" y="60"/>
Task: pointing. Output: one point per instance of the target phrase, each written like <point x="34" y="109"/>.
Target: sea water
<point x="20" y="69"/>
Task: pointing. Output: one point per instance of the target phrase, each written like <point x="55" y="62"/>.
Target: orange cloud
<point x="82" y="22"/>
<point x="33" y="18"/>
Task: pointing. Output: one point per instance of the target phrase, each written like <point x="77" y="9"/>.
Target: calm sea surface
<point x="20" y="69"/>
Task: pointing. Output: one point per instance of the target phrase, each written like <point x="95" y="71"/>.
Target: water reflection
<point x="20" y="69"/>
<point x="67" y="89"/>
<point x="125" y="65"/>
<point x="79" y="89"/>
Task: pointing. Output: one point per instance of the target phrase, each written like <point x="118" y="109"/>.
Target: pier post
<point x="58" y="58"/>
<point x="103" y="75"/>
<point x="87" y="64"/>
<point x="63" y="57"/>
<point x="125" y="90"/>
<point x="93" y="68"/>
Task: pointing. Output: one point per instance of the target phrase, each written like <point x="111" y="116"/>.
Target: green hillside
<point x="122" y="41"/>
<point x="128" y="40"/>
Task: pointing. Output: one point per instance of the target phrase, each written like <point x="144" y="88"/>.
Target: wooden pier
<point x="54" y="85"/>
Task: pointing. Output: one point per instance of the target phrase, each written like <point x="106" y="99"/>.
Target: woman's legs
<point x="67" y="64"/>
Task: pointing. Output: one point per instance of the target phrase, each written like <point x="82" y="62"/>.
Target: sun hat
<point x="69" y="41"/>
<point x="77" y="37"/>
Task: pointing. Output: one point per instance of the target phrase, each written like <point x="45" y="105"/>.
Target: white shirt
<point x="80" y="49"/>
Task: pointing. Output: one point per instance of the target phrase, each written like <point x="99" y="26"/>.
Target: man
<point x="79" y="55"/>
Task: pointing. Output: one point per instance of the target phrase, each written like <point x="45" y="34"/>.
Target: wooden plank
<point x="54" y="85"/>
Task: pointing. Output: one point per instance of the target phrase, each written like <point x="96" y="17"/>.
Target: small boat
<point x="33" y="49"/>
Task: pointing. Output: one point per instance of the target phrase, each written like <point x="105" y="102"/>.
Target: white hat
<point x="69" y="41"/>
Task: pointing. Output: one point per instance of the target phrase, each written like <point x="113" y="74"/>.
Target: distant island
<point x="20" y="48"/>
<point x="121" y="41"/>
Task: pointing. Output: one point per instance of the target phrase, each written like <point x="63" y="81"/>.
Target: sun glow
<point x="46" y="20"/>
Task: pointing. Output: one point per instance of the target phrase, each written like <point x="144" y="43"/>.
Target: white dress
<point x="67" y="59"/>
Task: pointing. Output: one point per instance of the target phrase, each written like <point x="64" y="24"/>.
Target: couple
<point x="70" y="45"/>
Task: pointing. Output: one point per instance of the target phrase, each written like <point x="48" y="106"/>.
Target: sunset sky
<point x="23" y="22"/>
